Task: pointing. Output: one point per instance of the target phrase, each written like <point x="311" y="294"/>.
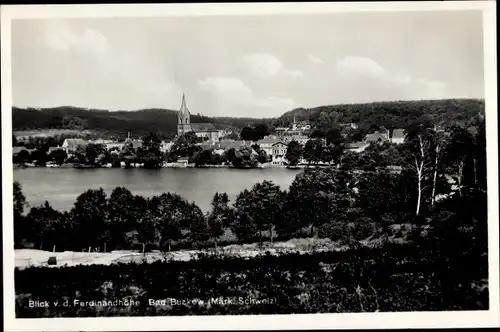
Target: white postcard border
<point x="490" y="318"/>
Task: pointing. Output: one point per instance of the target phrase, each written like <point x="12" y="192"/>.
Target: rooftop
<point x="17" y="149"/>
<point x="398" y="133"/>
<point x="201" y="127"/>
<point x="269" y="140"/>
<point x="74" y="142"/>
<point x="375" y="137"/>
<point x="356" y="145"/>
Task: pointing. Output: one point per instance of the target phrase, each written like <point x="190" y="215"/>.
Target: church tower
<point x="184" y="121"/>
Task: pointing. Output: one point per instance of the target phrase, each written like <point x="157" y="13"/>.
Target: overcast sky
<point x="260" y="66"/>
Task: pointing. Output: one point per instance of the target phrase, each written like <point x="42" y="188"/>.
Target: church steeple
<point x="183" y="105"/>
<point x="184" y="115"/>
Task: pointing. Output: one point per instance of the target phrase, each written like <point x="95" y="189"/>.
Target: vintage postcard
<point x="250" y="166"/>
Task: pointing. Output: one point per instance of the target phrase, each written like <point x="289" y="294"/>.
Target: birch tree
<point x="458" y="149"/>
<point x="437" y="142"/>
<point x="418" y="161"/>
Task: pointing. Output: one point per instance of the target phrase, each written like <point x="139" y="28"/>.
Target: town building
<point x="394" y="169"/>
<point x="302" y="139"/>
<point x="398" y="136"/>
<point x="278" y="156"/>
<point x="54" y="148"/>
<point x="166" y="146"/>
<point x="378" y="137"/>
<point x="224" y="145"/>
<point x="136" y="143"/>
<point x="357" y="147"/>
<point x="114" y="146"/>
<point x="206" y="131"/>
<point x="280" y="131"/>
<point x="70" y="145"/>
<point x="267" y="144"/>
<point x="292" y="130"/>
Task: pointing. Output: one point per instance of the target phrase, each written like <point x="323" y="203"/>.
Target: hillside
<point x="393" y="114"/>
<point x="137" y="122"/>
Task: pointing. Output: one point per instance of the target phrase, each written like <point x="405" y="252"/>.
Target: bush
<point x="328" y="279"/>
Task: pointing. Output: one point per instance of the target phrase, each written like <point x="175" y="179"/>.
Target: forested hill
<point x="393" y="114"/>
<point x="396" y="114"/>
<point x="136" y="122"/>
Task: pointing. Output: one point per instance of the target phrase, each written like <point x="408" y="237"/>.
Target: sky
<point x="247" y="66"/>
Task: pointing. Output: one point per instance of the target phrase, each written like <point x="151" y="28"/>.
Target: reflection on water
<point x="61" y="186"/>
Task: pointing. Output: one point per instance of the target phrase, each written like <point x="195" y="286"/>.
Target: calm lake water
<point x="61" y="186"/>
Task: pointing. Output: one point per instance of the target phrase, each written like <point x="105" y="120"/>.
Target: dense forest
<point x="393" y="114"/>
<point x="138" y="122"/>
<point x="396" y="114"/>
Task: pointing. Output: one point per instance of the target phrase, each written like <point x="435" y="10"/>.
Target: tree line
<point x="390" y="115"/>
<point x="137" y="122"/>
<point x="397" y="114"/>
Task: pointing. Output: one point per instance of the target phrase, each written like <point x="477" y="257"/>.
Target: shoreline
<point x="18" y="166"/>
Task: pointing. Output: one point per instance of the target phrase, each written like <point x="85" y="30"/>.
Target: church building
<point x="206" y="131"/>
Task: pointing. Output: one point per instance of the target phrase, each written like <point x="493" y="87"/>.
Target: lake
<point x="61" y="186"/>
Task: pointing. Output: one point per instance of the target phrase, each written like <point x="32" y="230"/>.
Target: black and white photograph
<point x="250" y="162"/>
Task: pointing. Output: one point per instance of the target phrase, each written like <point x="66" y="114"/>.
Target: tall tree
<point x="334" y="136"/>
<point x="40" y="156"/>
<point x="259" y="209"/>
<point x="332" y="153"/>
<point x="380" y="194"/>
<point x="50" y="227"/>
<point x="438" y="141"/>
<point x="122" y="216"/>
<point x="92" y="152"/>
<point x="58" y="156"/>
<point x="22" y="157"/>
<point x="229" y="155"/>
<point x="150" y="153"/>
<point x="248" y="134"/>
<point x="313" y="150"/>
<point x="90" y="217"/>
<point x="261" y="130"/>
<point x="418" y="160"/>
<point x="294" y="153"/>
<point x="174" y="215"/>
<point x="458" y="152"/>
<point x="221" y="215"/>
<point x="21" y="229"/>
<point x="128" y="154"/>
<point x="319" y="196"/>
<point x="197" y="226"/>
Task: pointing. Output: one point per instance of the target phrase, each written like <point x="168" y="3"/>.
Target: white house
<point x="166" y="146"/>
<point x="70" y="145"/>
<point x="267" y="143"/>
<point x="278" y="153"/>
